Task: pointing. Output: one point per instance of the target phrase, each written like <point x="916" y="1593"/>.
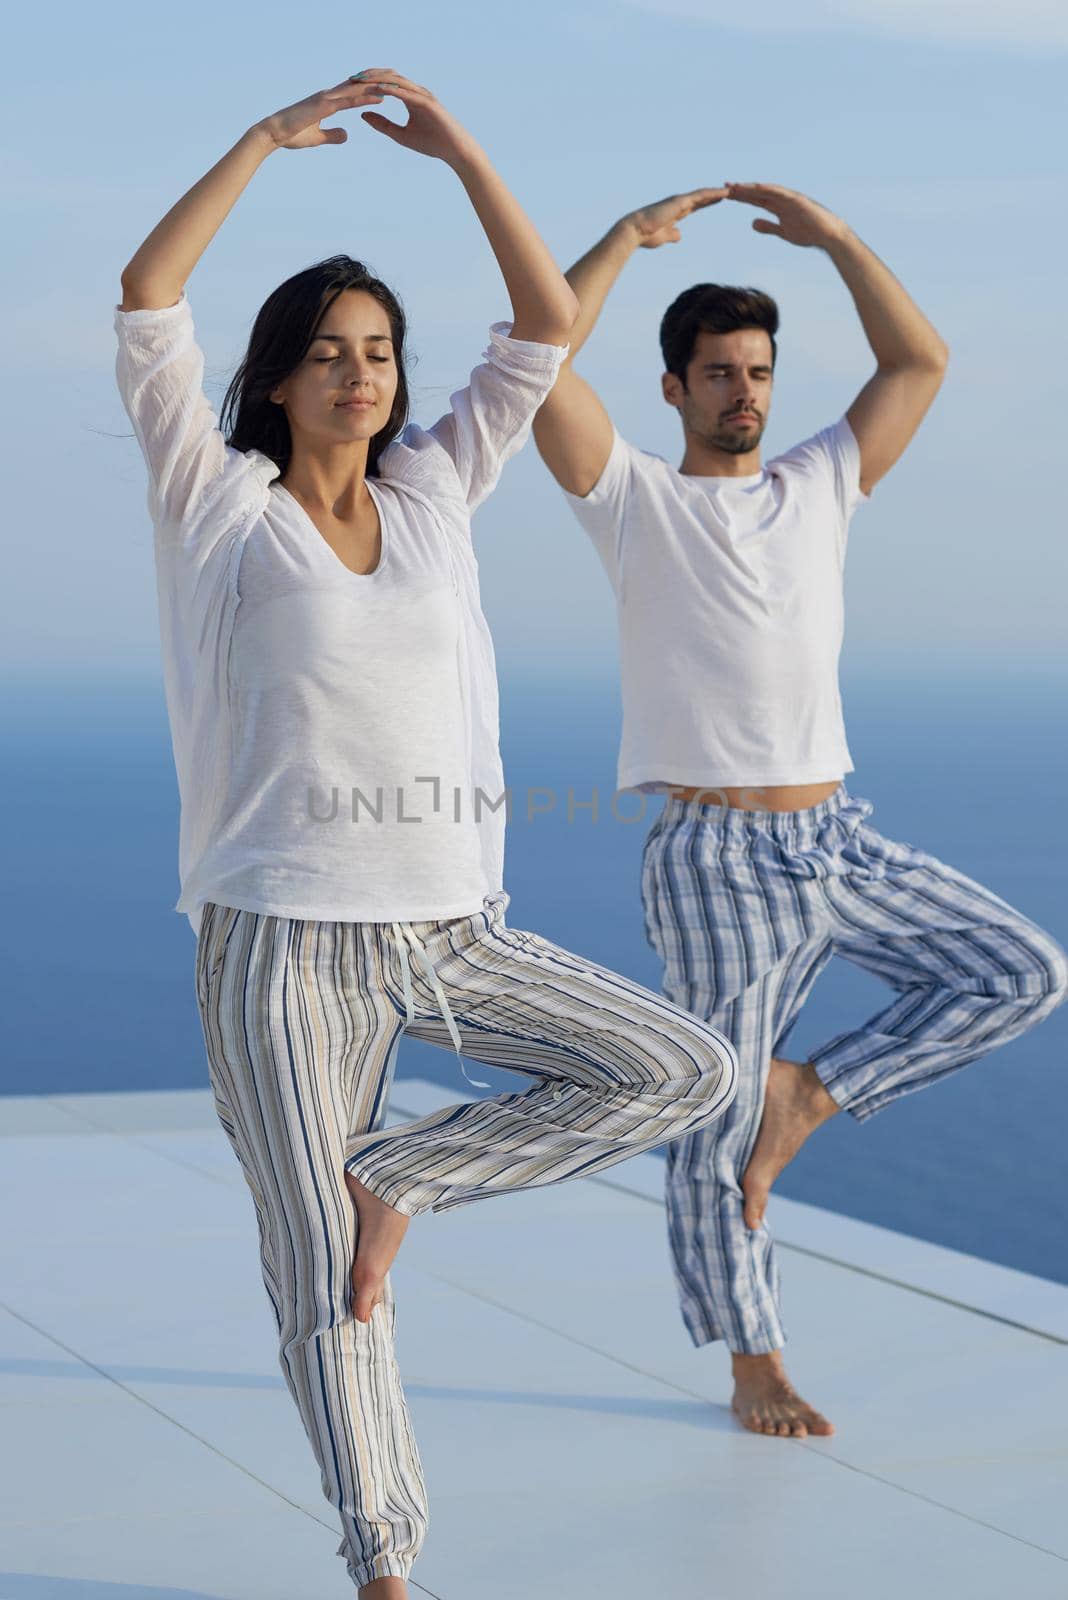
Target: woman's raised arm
<point x="159" y="365"/>
<point x="544" y="305"/>
<point x="156" y="274"/>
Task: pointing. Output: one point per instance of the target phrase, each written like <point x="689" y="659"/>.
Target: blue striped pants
<point x="745" y="909"/>
<point x="301" y="1021"/>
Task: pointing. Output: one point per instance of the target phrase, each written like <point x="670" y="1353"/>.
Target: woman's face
<point x="350" y="358"/>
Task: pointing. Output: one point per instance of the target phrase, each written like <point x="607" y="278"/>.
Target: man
<point x="728" y="578"/>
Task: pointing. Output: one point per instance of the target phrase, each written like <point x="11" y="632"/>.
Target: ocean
<point x="971" y="767"/>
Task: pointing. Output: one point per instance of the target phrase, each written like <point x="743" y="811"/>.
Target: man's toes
<point x="756" y="1198"/>
<point x="798" y="1430"/>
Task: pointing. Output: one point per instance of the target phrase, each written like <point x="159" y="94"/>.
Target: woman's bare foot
<point x="385" y="1589"/>
<point x="765" y="1401"/>
<point x="795" y="1103"/>
<point x="379" y="1233"/>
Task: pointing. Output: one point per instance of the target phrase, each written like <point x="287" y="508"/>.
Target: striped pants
<point x="301" y="1022"/>
<point x="745" y="909"/>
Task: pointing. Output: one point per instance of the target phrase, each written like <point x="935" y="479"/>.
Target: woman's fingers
<point x="378" y="75"/>
<point x="392" y="82"/>
<point x="348" y="93"/>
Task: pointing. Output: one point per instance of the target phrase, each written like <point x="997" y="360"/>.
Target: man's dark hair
<point x="712" y="308"/>
<point x="280" y="339"/>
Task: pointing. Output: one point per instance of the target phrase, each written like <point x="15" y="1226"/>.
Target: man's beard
<point x="732" y="440"/>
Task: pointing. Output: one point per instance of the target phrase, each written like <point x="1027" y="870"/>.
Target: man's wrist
<point x="260" y="136"/>
<point x="841" y="241"/>
<point x="625" y="233"/>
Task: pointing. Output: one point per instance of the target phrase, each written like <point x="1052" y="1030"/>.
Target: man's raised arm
<point x="572" y="429"/>
<point x="910" y="353"/>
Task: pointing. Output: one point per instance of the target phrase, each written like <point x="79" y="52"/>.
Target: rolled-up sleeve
<point x="490" y="420"/>
<point x="160" y="372"/>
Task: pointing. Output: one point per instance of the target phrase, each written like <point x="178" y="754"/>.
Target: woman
<point x="333" y="704"/>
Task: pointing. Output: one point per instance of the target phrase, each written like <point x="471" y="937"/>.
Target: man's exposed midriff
<point x="754" y="797"/>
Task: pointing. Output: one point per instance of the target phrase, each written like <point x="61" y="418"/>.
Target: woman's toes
<point x="365" y="1304"/>
<point x="366" y="1293"/>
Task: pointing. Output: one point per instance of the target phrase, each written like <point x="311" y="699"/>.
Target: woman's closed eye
<point x="338" y="358"/>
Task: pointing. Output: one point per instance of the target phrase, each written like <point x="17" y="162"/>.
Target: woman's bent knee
<point x="717" y="1078"/>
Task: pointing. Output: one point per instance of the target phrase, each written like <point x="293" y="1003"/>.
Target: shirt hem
<point x="639" y="777"/>
<point x="461" y="908"/>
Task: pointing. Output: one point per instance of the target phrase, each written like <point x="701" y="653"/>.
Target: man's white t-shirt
<point x="730" y="605"/>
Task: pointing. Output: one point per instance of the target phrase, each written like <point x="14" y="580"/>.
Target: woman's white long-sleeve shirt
<point x="335" y="734"/>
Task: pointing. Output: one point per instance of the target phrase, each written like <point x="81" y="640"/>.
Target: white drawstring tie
<point x="403" y="934"/>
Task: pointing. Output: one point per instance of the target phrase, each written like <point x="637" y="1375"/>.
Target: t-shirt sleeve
<point x="490" y="420"/>
<point x="833" y="454"/>
<point x="601" y="511"/>
<point x="160" y="373"/>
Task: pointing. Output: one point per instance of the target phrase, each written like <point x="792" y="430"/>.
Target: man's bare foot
<point x="765" y="1401"/>
<point x="385" y="1589"/>
<point x="795" y="1103"/>
<point x="379" y="1233"/>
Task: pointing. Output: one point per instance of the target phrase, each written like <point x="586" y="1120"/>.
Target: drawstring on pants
<point x="403" y="934"/>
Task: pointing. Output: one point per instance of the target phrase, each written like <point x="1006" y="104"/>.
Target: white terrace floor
<point x="575" y="1444"/>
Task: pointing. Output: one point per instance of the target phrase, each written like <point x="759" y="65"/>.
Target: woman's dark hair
<point x="712" y="308"/>
<point x="280" y="339"/>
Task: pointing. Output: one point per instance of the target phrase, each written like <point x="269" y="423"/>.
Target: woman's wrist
<point x="470" y="160"/>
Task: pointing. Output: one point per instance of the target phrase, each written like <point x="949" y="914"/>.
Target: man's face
<point x="728" y="389"/>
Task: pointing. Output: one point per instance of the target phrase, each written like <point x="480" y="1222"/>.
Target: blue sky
<point x="932" y="128"/>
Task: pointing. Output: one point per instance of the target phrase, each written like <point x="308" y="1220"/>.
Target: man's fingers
<point x="755" y="197"/>
<point x="768" y="189"/>
<point x="702" y="198"/>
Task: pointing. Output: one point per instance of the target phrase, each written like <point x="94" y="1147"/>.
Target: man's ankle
<point x="823" y="1102"/>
